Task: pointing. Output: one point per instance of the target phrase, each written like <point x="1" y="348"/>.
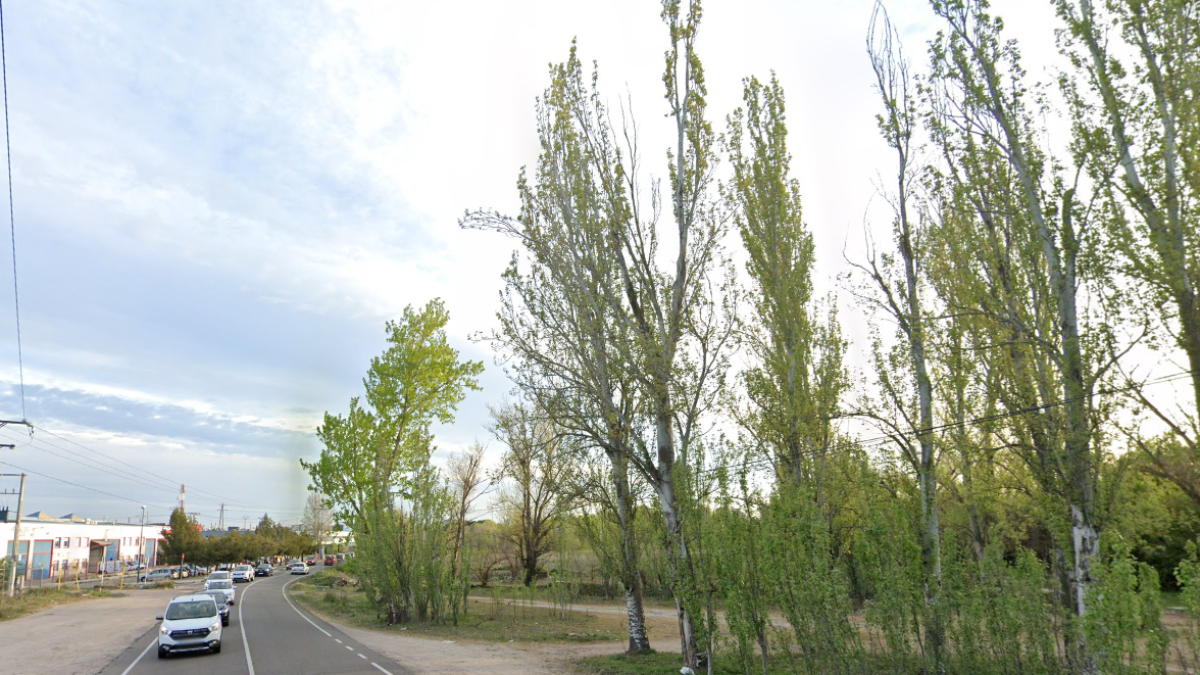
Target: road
<point x="268" y="634"/>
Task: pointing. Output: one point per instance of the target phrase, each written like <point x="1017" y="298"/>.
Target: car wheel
<point x="216" y="649"/>
<point x="162" y="653"/>
<point x="225" y="621"/>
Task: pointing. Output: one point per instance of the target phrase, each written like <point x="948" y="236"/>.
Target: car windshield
<point x="241" y="568"/>
<point x="218" y="585"/>
<point x="178" y="611"/>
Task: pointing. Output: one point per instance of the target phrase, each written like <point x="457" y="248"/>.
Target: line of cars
<point x="194" y="622"/>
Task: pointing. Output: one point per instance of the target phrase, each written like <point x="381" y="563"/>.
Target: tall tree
<point x="904" y="370"/>
<point x="380" y="452"/>
<point x="559" y="329"/>
<point x="1136" y="111"/>
<point x="798" y="376"/>
<point x="679" y="326"/>
<point x="1017" y="240"/>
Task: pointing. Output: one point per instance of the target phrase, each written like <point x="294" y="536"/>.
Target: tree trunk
<point x="676" y="563"/>
<point x="631" y="581"/>
<point x="1085" y="541"/>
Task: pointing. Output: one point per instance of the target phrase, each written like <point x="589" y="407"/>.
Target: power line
<point x="96" y="465"/>
<point x="85" y="487"/>
<point x="12" y="223"/>
<point x="138" y="468"/>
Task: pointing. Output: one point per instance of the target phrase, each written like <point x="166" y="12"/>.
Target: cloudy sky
<point x="218" y="205"/>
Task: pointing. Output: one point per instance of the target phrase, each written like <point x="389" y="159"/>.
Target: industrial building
<point x="70" y="545"/>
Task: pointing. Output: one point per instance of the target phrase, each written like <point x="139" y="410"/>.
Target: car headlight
<point x="164" y="630"/>
<point x="215" y="627"/>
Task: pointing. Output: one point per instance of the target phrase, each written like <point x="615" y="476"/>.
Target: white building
<point x="70" y="545"/>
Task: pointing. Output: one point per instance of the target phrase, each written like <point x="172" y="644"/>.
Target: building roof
<point x="39" y="515"/>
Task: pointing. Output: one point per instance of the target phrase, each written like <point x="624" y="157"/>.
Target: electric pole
<point x="16" y="543"/>
<point x="142" y="568"/>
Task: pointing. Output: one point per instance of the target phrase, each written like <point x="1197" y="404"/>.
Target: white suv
<point x="243" y="573"/>
<point x="191" y="623"/>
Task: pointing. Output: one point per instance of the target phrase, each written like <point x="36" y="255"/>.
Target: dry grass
<point x="497" y="623"/>
<point x="39" y="599"/>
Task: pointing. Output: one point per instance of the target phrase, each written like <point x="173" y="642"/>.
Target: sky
<point x="219" y="204"/>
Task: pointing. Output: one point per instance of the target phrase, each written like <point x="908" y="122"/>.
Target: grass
<point x="335" y="595"/>
<point x="36" y="600"/>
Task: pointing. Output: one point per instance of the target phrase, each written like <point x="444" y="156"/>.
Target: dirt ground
<point x="424" y="656"/>
<point x="99" y="630"/>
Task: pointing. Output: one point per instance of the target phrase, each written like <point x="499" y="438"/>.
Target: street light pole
<point x="142" y="546"/>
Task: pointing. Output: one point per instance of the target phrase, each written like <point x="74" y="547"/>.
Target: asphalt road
<point x="268" y="634"/>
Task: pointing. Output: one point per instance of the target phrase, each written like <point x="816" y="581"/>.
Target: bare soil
<point x="79" y="638"/>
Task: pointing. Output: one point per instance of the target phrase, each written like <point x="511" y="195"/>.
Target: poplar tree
<point x="797" y="379"/>
<point x="559" y="332"/>
<point x="1136" y="110"/>
<point x="899" y="287"/>
<point x="1016" y="257"/>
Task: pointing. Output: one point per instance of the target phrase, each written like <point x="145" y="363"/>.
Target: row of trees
<point x="183" y="542"/>
<point x="1024" y="288"/>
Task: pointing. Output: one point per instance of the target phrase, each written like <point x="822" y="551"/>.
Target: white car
<point x="224" y="586"/>
<point x="220" y="574"/>
<point x="300" y="568"/>
<point x="191" y="623"/>
<point x="243" y="573"/>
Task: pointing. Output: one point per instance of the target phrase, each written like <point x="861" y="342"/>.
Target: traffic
<point x="210" y="624"/>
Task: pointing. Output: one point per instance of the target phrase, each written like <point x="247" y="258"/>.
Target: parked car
<point x="243" y="573"/>
<point x="191" y="623"/>
<point x="299" y="568"/>
<point x="156" y="575"/>
<point x="264" y="570"/>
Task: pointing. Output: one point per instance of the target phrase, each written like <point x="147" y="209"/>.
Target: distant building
<point x="50" y="547"/>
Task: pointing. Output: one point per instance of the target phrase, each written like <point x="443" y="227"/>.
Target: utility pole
<point x="16" y="543"/>
<point x="221" y="522"/>
<point x="142" y="569"/>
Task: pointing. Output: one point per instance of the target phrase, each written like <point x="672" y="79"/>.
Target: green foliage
<point x="1123" y="624"/>
<point x="375" y="468"/>
<point x="183" y="540"/>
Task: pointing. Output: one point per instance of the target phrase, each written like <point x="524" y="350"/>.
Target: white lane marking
<point x="283" y="590"/>
<point x="338" y="641"/>
<point x="242" y="627"/>
<point x="349" y="647"/>
<point x="361" y="656"/>
<point x="139" y="658"/>
<point x="380" y="668"/>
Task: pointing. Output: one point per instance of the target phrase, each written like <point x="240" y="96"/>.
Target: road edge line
<point x="380" y="668"/>
<point x="283" y="590"/>
<point x="139" y="658"/>
<point x="242" y="628"/>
